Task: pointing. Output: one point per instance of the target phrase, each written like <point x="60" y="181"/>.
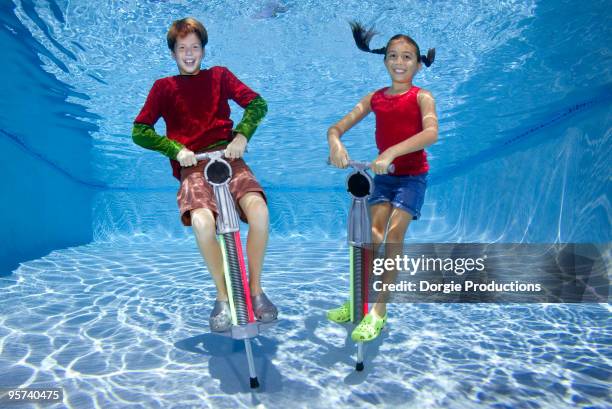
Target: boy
<point x="197" y="115"/>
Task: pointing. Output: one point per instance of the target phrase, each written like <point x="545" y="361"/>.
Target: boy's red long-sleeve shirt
<point x="195" y="107"/>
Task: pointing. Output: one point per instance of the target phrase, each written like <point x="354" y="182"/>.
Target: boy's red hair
<point x="180" y="28"/>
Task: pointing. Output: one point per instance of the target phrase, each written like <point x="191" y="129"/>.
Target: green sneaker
<point x="340" y="314"/>
<point x="369" y="328"/>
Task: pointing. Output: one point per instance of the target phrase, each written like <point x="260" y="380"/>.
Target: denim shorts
<point x="404" y="192"/>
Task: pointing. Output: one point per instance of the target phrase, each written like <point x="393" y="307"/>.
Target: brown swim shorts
<point x="195" y="192"/>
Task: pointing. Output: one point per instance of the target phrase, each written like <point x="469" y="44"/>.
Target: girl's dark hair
<point x="362" y="39"/>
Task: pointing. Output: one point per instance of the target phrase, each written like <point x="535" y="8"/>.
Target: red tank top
<point x="398" y="117"/>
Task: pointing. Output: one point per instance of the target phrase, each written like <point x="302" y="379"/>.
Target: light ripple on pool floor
<point x="124" y="324"/>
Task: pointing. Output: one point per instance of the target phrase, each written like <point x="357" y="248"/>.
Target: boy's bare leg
<point x="203" y="225"/>
<point x="398" y="225"/>
<point x="256" y="211"/>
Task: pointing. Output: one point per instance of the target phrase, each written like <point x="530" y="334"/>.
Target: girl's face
<point x="188" y="54"/>
<point x="401" y="61"/>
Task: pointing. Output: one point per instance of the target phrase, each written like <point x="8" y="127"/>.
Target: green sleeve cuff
<point x="145" y="136"/>
<point x="253" y="114"/>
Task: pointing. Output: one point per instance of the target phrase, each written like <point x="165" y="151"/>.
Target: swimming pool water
<point x="125" y="325"/>
<point x="104" y="292"/>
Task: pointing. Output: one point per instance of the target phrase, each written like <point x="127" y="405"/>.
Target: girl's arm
<point x="428" y="136"/>
<point x="337" y="152"/>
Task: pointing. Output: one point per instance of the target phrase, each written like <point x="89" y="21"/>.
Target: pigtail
<point x="362" y="38"/>
<point x="429" y="58"/>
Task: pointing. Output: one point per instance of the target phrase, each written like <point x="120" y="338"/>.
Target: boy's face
<point x="188" y="54"/>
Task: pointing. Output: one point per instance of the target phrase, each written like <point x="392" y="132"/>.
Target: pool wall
<point x="44" y="206"/>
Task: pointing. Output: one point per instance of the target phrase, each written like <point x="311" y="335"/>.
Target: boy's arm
<point x="255" y="107"/>
<point x="143" y="133"/>
<point x="253" y="114"/>
<point x="145" y="136"/>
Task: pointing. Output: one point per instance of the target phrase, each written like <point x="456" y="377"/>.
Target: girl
<point x="406" y="123"/>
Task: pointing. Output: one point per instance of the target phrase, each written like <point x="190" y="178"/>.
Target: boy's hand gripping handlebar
<point x="211" y="155"/>
<point x="214" y="155"/>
